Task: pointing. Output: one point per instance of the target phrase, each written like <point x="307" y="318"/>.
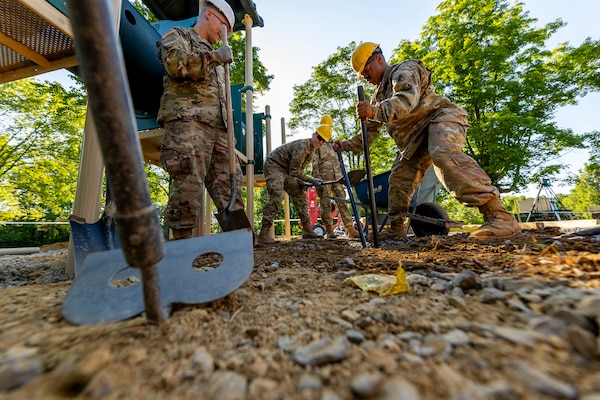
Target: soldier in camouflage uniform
<point x="326" y="167"/>
<point x="193" y="112"/>
<point x="428" y="129"/>
<point x="284" y="170"/>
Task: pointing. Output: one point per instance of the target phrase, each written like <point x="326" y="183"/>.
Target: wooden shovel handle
<point x="229" y="122"/>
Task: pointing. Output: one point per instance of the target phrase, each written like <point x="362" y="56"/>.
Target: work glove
<point x="316" y="182"/>
<point x="224" y="54"/>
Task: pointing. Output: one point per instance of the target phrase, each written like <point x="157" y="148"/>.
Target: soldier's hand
<point x="225" y="54"/>
<point x="338" y="145"/>
<point x="364" y="110"/>
<point x="316" y="182"/>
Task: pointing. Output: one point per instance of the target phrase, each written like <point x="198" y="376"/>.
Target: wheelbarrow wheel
<point x="319" y="229"/>
<point x="430" y="210"/>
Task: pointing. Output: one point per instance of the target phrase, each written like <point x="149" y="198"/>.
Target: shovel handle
<point x="103" y="71"/>
<point x="229" y="123"/>
<point x="363" y="123"/>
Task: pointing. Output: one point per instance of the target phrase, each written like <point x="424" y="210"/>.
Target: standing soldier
<point x="326" y="167"/>
<point x="428" y="129"/>
<point x="284" y="170"/>
<point x="193" y="111"/>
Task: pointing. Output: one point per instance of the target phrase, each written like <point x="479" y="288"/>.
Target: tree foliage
<point x="586" y="191"/>
<point x="40" y="138"/>
<point x="332" y="90"/>
<point x="489" y="58"/>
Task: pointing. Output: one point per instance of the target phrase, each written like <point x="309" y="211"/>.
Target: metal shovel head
<point x="91" y="238"/>
<point x="109" y="290"/>
<point x="233" y="220"/>
<point x="356" y="176"/>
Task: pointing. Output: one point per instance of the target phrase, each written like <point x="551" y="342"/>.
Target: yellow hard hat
<point x="326" y="119"/>
<point x="324" y="131"/>
<point x="361" y="55"/>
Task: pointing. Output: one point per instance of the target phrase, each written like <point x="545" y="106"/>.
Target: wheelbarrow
<point x="427" y="218"/>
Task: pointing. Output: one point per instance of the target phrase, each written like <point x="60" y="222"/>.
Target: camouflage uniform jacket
<point x="325" y="163"/>
<point x="293" y="157"/>
<point x="194" y="82"/>
<point x="406" y="102"/>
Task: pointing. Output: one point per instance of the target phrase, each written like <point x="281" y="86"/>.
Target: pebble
<point x="367" y="385"/>
<point x="465" y="280"/>
<point x="491" y="295"/>
<point x="322" y="351"/>
<point x="15" y="373"/>
<point x="541" y="382"/>
<point x="227" y="385"/>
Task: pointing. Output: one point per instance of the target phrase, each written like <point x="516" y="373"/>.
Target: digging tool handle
<point x="352" y="202"/>
<point x="103" y="71"/>
<point x="230" y="138"/>
<point x="363" y="123"/>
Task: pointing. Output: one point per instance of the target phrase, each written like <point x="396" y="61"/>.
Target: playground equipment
<point x="546" y="206"/>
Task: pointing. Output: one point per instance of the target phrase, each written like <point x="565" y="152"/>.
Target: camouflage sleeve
<point x="299" y="162"/>
<point x="355" y="144"/>
<point x="180" y="60"/>
<point x="406" y="94"/>
<point x="315" y="163"/>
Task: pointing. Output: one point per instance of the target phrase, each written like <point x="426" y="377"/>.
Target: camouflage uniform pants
<point x="459" y="173"/>
<point x="335" y="190"/>
<point x="195" y="154"/>
<point x="279" y="181"/>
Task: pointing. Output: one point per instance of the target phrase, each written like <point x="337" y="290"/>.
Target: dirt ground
<point x="510" y="320"/>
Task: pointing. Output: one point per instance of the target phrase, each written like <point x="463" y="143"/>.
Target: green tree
<point x="489" y="58"/>
<point x="586" y="191"/>
<point x="332" y="90"/>
<point x="40" y="139"/>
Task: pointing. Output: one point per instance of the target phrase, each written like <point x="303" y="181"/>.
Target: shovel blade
<point x="105" y="290"/>
<point x="233" y="220"/>
<point x="92" y="238"/>
<point x="355" y="176"/>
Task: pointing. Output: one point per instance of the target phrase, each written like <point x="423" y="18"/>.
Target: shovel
<point x="99" y="236"/>
<point x="354" y="177"/>
<point x="228" y="218"/>
<point x="94" y="296"/>
<point x="363" y="123"/>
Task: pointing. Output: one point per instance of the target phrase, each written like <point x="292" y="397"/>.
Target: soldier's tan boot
<point x="499" y="223"/>
<point x="397" y="229"/>
<point x="308" y="233"/>
<point x="185" y="233"/>
<point x="330" y="232"/>
<point x="352" y="233"/>
<point x="264" y="236"/>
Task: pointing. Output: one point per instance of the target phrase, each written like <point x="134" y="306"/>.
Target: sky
<point x="298" y="35"/>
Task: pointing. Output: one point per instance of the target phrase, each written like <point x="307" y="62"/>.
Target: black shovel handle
<point x="103" y="71"/>
<point x="352" y="202"/>
<point x="363" y="123"/>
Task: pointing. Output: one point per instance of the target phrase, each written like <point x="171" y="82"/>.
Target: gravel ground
<point x="510" y="320"/>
